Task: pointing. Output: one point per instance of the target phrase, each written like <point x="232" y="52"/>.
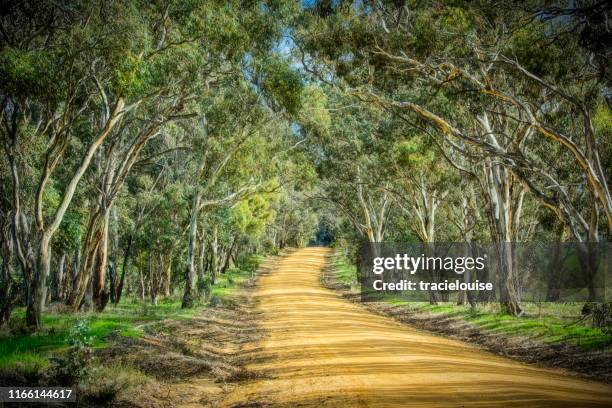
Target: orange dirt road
<point x="322" y="351"/>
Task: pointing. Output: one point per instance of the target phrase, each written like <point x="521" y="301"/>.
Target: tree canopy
<point x="151" y="145"/>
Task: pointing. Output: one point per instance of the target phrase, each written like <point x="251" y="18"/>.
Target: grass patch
<point x="125" y="319"/>
<point x="345" y="272"/>
<point x="26" y="363"/>
<point x="236" y="276"/>
<point x="105" y="382"/>
<point x="547" y="322"/>
<point x="30" y="352"/>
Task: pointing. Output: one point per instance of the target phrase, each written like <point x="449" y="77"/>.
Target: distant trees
<point x="231" y="165"/>
<point x="349" y="154"/>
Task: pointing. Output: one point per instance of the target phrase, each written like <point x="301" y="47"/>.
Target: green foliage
<point x="28" y="72"/>
<point x="282" y="84"/>
<point x="252" y="215"/>
<point x="69" y="235"/>
<point x="525" y="45"/>
<point x="130" y="76"/>
<point x="345" y="272"/>
<point x="314" y="112"/>
<point x="75" y="363"/>
<point x="602" y="121"/>
<point x="548" y="322"/>
<point x="413" y="154"/>
<point x="79" y="337"/>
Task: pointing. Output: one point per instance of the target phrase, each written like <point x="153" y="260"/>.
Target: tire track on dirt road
<point x="320" y="350"/>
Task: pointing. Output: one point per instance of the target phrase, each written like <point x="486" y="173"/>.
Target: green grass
<point x="25" y="362"/>
<point x="127" y="319"/>
<point x="235" y="277"/>
<point x="550" y="322"/>
<point x="131" y="318"/>
<point x="346" y="273"/>
<point x="547" y="322"/>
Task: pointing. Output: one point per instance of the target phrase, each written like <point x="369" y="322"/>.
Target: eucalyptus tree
<point x="526" y="112"/>
<point x="189" y="58"/>
<point x="54" y="100"/>
<point x="96" y="81"/>
<point x="239" y="134"/>
<point x="251" y="216"/>
<point x="151" y="224"/>
<point x="296" y="219"/>
<point x="543" y="97"/>
<point x="9" y="286"/>
<point x="422" y="183"/>
<point x="66" y="246"/>
<point x="295" y="215"/>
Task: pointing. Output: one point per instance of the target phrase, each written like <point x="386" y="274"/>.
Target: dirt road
<point x="323" y="351"/>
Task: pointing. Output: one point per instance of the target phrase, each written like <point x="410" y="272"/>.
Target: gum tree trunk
<point x="100" y="294"/>
<point x="38" y="287"/>
<point x="191" y="275"/>
<point x="124" y="268"/>
<point x="505" y="209"/>
<point x="214" y="270"/>
<point x="35" y="302"/>
<point x="58" y="284"/>
<point x="7" y="292"/>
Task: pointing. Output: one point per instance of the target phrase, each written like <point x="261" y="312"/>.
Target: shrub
<point x="105" y="382"/>
<point x="75" y="363"/>
<point x="248" y="263"/>
<point x="204" y="287"/>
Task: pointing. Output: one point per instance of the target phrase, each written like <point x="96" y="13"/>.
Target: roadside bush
<point x="105" y="382"/>
<point x="75" y="363"/>
<point x="204" y="287"/>
<point x="601" y="315"/>
<point x="248" y="263"/>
